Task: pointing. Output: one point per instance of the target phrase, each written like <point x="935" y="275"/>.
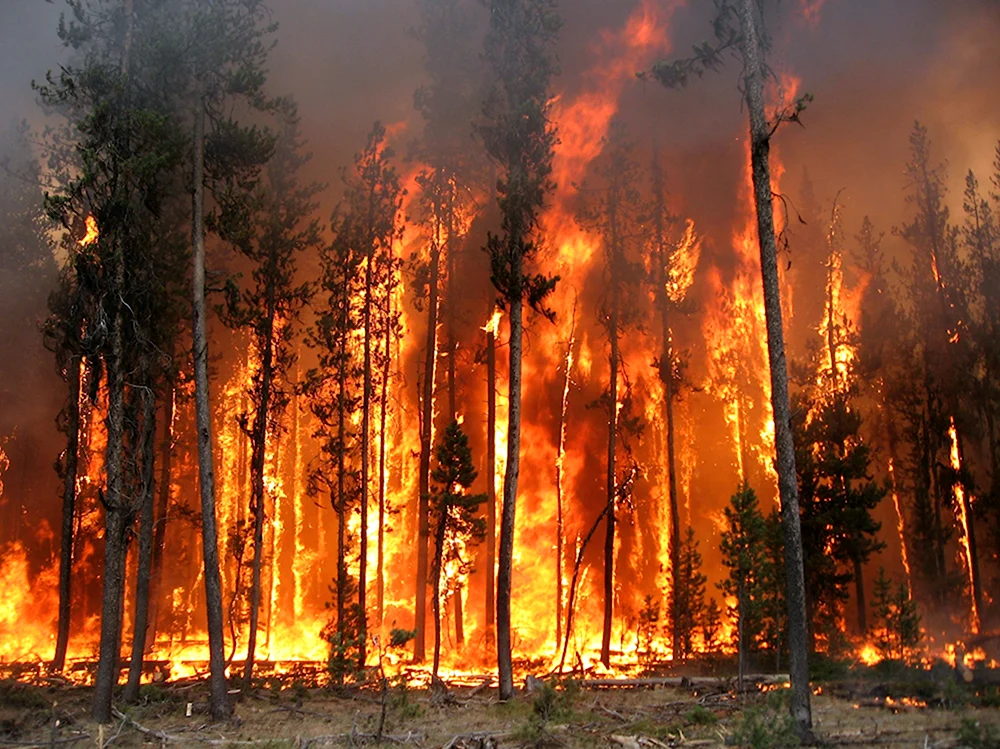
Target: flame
<point x="900" y="526"/>
<point x="960" y="503"/>
<point x="93" y="233"/>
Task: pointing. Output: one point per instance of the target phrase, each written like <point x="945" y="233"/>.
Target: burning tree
<point x="740" y="25"/>
<point x="518" y="138"/>
<point x="613" y="215"/>
<point x="270" y="226"/>
<point x="896" y="623"/>
<point x="447" y="104"/>
<point x="455" y="516"/>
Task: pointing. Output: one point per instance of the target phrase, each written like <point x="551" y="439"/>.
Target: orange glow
<point x="963" y="517"/>
<point x="92" y="235"/>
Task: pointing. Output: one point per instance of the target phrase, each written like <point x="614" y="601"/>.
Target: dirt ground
<point x="845" y="714"/>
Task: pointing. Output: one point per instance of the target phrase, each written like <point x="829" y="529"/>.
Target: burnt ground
<point x="868" y="711"/>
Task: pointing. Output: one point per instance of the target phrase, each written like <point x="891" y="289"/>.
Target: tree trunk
<point x="667" y="377"/>
<point x="142" y="587"/>
<point x="258" y="457"/>
<point x="382" y="463"/>
<point x="505" y="666"/>
<point x="118" y="509"/>
<point x="973" y="554"/>
<point x="491" y="484"/>
<point x="160" y="523"/>
<point x="859" y="595"/>
<point x="340" y="502"/>
<point x="436" y="603"/>
<point x="560" y="457"/>
<point x="609" y="538"/>
<point x="74" y="384"/>
<point x="366" y="404"/>
<point x="426" y="445"/>
<point x="219" y="701"/>
<point x="787" y="481"/>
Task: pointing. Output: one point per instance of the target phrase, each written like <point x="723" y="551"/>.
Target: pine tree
<point x="613" y="215"/>
<point x="455" y="516"/>
<point x="271" y="225"/>
<point x="743" y="554"/>
<point x="687" y="606"/>
<point x="739" y="23"/>
<point x="895" y="621"/>
<point x="518" y="138"/>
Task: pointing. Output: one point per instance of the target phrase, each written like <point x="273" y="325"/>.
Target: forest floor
<point x="850" y="712"/>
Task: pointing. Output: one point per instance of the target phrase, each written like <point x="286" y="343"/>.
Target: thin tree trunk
<point x="609" y="538"/>
<point x="340" y="502"/>
<point x="219" y="701"/>
<point x="970" y="530"/>
<point x="505" y="665"/>
<point x="426" y="445"/>
<point x="667" y="377"/>
<point x="258" y="456"/>
<point x="366" y="403"/>
<point x="787" y="482"/>
<point x="160" y="520"/>
<point x="74" y="383"/>
<point x="571" y="603"/>
<point x="859" y="594"/>
<point x="491" y="487"/>
<point x="439" y="533"/>
<point x="382" y="463"/>
<point x="560" y="457"/>
<point x="142" y="587"/>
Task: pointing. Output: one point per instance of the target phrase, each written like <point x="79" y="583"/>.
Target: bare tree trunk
<point x="760" y="144"/>
<point x="142" y="587"/>
<point x="382" y="463"/>
<point x="366" y="416"/>
<point x="667" y="377"/>
<point x="426" y="445"/>
<point x="560" y="457"/>
<point x="609" y="538"/>
<point x="258" y="456"/>
<point x="491" y="488"/>
<point x="160" y="522"/>
<point x="973" y="554"/>
<point x="74" y="384"/>
<point x="340" y="502"/>
<point x="219" y="701"/>
<point x="439" y="533"/>
<point x="505" y="665"/>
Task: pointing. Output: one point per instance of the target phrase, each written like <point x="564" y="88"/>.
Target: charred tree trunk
<point x="366" y="416"/>
<point x="760" y="145"/>
<point x="560" y="456"/>
<point x="219" y="701"/>
<point x="491" y="487"/>
<point x="160" y="521"/>
<point x="667" y="377"/>
<point x="142" y="587"/>
<point x="426" y="445"/>
<point x="974" y="576"/>
<point x="258" y="457"/>
<point x="609" y="538"/>
<point x="382" y="462"/>
<point x="505" y="665"/>
<point x="859" y="594"/>
<point x="340" y="502"/>
<point x="69" y="468"/>
<point x="439" y="534"/>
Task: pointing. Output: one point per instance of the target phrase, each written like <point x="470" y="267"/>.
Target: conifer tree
<point x="612" y="214"/>
<point x="271" y="226"/>
<point x="519" y="139"/>
<point x="687" y="607"/>
<point x="454" y="514"/>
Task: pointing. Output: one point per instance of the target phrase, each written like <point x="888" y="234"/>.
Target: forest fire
<point x="342" y="485"/>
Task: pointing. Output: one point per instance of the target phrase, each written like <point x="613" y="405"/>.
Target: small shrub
<point x="761" y="728"/>
<point x="974" y="735"/>
<point x="701" y="716"/>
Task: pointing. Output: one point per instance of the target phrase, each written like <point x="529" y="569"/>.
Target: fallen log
<point x="646" y="682"/>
